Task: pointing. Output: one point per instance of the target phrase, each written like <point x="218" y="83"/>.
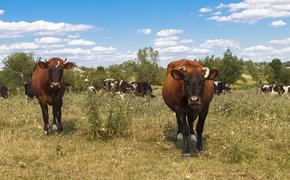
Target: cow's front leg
<point x="44" y="109"/>
<point x="199" y="128"/>
<point x="179" y="127"/>
<point x="185" y="132"/>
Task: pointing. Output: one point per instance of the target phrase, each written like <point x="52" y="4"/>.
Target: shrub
<point x="109" y="116"/>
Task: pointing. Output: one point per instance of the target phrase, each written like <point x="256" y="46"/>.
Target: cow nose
<point x="193" y="100"/>
<point x="55" y="85"/>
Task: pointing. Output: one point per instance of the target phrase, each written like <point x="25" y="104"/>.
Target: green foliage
<point x="230" y="68"/>
<point x="276" y="72"/>
<point x="148" y="69"/>
<point x="18" y="68"/>
<point x="109" y="116"/>
<point x="93" y="115"/>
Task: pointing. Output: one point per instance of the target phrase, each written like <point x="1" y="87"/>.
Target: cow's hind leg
<point x="44" y="109"/>
<point x="199" y="128"/>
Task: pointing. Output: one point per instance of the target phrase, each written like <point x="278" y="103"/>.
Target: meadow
<point x="246" y="136"/>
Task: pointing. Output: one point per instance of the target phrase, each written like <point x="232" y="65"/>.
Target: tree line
<point x="18" y="68"/>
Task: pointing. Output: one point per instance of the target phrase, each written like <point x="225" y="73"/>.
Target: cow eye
<point x="201" y="83"/>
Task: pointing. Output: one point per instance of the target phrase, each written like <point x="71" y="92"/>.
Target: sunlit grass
<point x="246" y="136"/>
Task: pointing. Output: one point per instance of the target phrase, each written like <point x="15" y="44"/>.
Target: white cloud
<point x="47" y="40"/>
<point x="281" y="41"/>
<point x="40" y="27"/>
<point x="145" y="31"/>
<point x="170" y="41"/>
<point x="259" y="49"/>
<point x="205" y="10"/>
<point x="278" y="23"/>
<point x="224" y="43"/>
<point x="1" y="11"/>
<point x="251" y="11"/>
<point x="100" y="49"/>
<point x="175" y="49"/>
<point x="169" y="32"/>
<point x="81" y="42"/>
<point x="19" y="46"/>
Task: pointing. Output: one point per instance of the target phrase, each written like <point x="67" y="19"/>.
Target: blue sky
<point x="104" y="32"/>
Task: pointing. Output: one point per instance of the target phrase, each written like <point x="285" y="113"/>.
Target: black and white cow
<point x="28" y="90"/>
<point x="119" y="87"/>
<point x="220" y="88"/>
<point x="273" y="89"/>
<point x="142" y="88"/>
<point x="4" y="93"/>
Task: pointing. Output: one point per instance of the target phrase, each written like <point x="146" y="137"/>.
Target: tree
<point x="276" y="72"/>
<point x="147" y="66"/>
<point x="18" y="68"/>
<point x="230" y="68"/>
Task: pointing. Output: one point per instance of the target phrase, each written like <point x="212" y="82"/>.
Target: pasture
<point x="246" y="136"/>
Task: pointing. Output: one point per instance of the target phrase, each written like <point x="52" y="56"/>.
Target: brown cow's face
<point x="55" y="73"/>
<point x="194" y="84"/>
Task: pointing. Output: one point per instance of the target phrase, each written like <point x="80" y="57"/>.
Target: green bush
<point x="109" y="116"/>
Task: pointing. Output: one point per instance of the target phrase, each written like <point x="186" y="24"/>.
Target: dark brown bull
<point x="188" y="90"/>
<point x="48" y="86"/>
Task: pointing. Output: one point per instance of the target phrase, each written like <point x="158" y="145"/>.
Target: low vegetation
<point x="246" y="136"/>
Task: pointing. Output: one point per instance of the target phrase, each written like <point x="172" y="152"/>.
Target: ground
<point x="246" y="137"/>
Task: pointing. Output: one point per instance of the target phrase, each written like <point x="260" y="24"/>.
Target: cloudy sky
<point x="104" y="32"/>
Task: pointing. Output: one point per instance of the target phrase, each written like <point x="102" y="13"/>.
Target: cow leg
<point x="191" y="118"/>
<point x="185" y="133"/>
<point x="199" y="128"/>
<point x="58" y="117"/>
<point x="44" y="109"/>
<point x="54" y="112"/>
<point x="179" y="127"/>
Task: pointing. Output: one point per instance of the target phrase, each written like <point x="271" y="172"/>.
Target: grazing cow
<point x="273" y="89"/>
<point x="124" y="86"/>
<point x="111" y="85"/>
<point x="4" y="93"/>
<point x="28" y="90"/>
<point x="220" y="88"/>
<point x="142" y="88"/>
<point x="92" y="89"/>
<point x="48" y="86"/>
<point x="188" y="90"/>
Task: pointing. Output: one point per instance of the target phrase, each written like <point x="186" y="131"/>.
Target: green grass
<point x="246" y="137"/>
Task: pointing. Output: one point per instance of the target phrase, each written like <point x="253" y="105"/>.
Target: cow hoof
<point x="45" y="132"/>
<point x="54" y="127"/>
<point x="179" y="136"/>
<point x="186" y="155"/>
<point x="193" y="138"/>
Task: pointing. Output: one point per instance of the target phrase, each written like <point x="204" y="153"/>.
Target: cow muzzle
<point x="55" y="85"/>
<point x="194" y="102"/>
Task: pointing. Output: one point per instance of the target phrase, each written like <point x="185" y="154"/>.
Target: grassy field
<point x="247" y="136"/>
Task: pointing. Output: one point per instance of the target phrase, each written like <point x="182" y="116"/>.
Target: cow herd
<point x="187" y="90"/>
<point x="275" y="89"/>
<point x="122" y="87"/>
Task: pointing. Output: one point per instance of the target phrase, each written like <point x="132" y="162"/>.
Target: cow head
<point x="193" y="82"/>
<point x="55" y="71"/>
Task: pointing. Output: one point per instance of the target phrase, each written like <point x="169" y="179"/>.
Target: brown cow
<point x="48" y="86"/>
<point x="188" y="90"/>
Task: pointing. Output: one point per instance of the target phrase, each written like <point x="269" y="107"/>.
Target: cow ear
<point x="69" y="65"/>
<point x="42" y="64"/>
<point x="212" y="74"/>
<point x="177" y="74"/>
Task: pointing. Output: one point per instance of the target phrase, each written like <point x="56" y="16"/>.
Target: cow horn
<point x="206" y="74"/>
<point x="182" y="68"/>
